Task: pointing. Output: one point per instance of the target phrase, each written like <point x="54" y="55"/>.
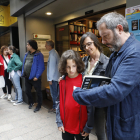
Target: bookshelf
<point x="77" y="29"/>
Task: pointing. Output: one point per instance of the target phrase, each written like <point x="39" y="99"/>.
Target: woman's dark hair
<point x="71" y="54"/>
<point x="15" y="50"/>
<point x="33" y="44"/>
<point x="3" y="48"/>
<point x="93" y="37"/>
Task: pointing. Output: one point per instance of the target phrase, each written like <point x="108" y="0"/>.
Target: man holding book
<point x="122" y="95"/>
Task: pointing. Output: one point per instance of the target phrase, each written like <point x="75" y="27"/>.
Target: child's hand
<point x="74" y="87"/>
<point x="60" y="78"/>
<point x="84" y="134"/>
<point x="61" y="129"/>
<point x="84" y="76"/>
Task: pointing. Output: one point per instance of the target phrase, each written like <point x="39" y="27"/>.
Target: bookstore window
<point x="68" y="37"/>
<point x="78" y="27"/>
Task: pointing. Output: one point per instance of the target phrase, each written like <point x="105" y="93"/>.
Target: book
<point x="94" y="81"/>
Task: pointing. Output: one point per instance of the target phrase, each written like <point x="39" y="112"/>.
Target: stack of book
<point x="94" y="81"/>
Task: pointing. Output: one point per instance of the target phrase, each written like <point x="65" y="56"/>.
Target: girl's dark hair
<point x="15" y="50"/>
<point x="93" y="37"/>
<point x="33" y="44"/>
<point x="3" y="48"/>
<point x="71" y="54"/>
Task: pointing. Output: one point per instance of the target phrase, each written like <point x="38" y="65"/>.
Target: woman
<point x="14" y="67"/>
<point x="95" y="64"/>
<point x="4" y="60"/>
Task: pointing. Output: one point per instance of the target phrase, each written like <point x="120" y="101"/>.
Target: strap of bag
<point x="5" y="60"/>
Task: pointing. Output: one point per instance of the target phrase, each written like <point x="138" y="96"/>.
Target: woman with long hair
<point x="95" y="64"/>
<point x="14" y="68"/>
<point x="4" y="60"/>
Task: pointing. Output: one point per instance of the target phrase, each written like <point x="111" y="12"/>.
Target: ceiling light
<point x="48" y="13"/>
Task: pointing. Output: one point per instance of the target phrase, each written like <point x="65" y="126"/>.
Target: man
<point x="32" y="69"/>
<point x="52" y="71"/>
<point x="122" y="95"/>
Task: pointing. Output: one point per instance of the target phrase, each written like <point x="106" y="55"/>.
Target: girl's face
<point x="5" y="52"/>
<point x="10" y="51"/>
<point x="71" y="68"/>
<point x="89" y="47"/>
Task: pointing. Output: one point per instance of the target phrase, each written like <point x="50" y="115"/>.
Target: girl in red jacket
<point x="71" y="117"/>
<point x="4" y="59"/>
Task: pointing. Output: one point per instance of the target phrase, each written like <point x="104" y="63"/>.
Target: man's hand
<point x="61" y="129"/>
<point x="35" y="79"/>
<point x="84" y="134"/>
<point x="50" y="82"/>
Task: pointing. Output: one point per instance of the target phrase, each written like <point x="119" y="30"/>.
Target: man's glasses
<point x="87" y="44"/>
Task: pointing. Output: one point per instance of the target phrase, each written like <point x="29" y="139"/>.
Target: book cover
<point x="94" y="81"/>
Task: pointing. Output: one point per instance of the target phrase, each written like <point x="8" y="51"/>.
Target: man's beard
<point x="116" y="43"/>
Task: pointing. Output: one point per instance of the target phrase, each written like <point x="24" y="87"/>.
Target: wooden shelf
<point x="92" y="28"/>
<point x="72" y="33"/>
<point x="77" y="33"/>
<point x="73" y="42"/>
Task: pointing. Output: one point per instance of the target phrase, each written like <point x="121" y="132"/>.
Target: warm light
<point x="48" y="13"/>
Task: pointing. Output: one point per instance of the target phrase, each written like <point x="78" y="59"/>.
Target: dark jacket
<point x="122" y="95"/>
<point x="100" y="67"/>
<point x="98" y="70"/>
<point x="37" y="65"/>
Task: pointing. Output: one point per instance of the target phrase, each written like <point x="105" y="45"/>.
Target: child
<point x="71" y="118"/>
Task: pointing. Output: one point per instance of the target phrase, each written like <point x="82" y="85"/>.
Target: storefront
<point x="68" y="34"/>
<point x="65" y="26"/>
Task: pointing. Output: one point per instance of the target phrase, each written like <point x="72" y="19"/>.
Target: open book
<point x="94" y="81"/>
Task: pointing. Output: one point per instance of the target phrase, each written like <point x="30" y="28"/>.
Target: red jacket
<point x="2" y="66"/>
<point x="73" y="115"/>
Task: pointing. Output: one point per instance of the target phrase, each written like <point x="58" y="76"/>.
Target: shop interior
<point x="68" y="36"/>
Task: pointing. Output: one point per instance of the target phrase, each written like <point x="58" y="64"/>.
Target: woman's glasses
<point x="87" y="44"/>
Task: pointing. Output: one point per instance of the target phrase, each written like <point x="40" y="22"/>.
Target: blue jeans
<point x="17" y="87"/>
<point x="54" y="92"/>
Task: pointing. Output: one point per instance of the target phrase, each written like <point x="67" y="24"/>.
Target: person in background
<point x="122" y="95"/>
<point x="14" y="69"/>
<point x="52" y="71"/>
<point x="4" y="60"/>
<point x="32" y="69"/>
<point x="95" y="64"/>
<point x="72" y="119"/>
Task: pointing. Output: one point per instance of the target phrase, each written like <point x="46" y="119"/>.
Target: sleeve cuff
<point x="59" y="124"/>
<point x="87" y="129"/>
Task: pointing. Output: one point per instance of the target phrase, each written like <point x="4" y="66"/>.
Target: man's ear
<point x="119" y="27"/>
